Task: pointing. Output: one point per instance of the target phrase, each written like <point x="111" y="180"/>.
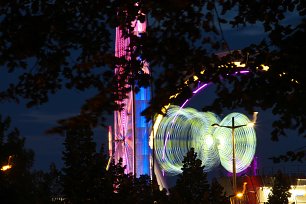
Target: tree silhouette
<point x="130" y="189"/>
<point x="159" y="195"/>
<point x="217" y="194"/>
<point x="16" y="184"/>
<point x="103" y="189"/>
<point x="192" y="185"/>
<point x="48" y="186"/>
<point x="280" y="189"/>
<point x="53" y="181"/>
<point x="78" y="157"/>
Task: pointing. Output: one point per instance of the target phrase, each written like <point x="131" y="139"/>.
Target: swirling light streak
<point x="182" y="129"/>
<point x="245" y="142"/>
<point x="158" y="142"/>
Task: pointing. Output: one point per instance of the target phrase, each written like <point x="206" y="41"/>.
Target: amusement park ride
<point x="165" y="141"/>
<point x="157" y="148"/>
<point x="131" y="131"/>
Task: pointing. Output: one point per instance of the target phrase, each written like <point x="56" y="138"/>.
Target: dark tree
<point x="16" y="183"/>
<point x="53" y="182"/>
<point x="159" y="195"/>
<point x="192" y="185"/>
<point x="48" y="186"/>
<point x="217" y="193"/>
<point x="78" y="157"/>
<point x="142" y="190"/>
<point x="102" y="184"/>
<point x="280" y="189"/>
<point x="145" y="191"/>
<point x="85" y="178"/>
<point x="135" y="190"/>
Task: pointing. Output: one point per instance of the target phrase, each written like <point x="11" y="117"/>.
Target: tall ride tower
<point x="131" y="131"/>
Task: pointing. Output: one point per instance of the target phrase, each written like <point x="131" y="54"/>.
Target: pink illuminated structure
<point x="131" y="131"/>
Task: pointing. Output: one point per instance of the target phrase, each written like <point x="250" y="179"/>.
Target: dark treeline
<point x="85" y="178"/>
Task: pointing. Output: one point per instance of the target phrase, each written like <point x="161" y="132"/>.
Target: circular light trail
<point x="245" y="138"/>
<point x="174" y="134"/>
<point x="182" y="129"/>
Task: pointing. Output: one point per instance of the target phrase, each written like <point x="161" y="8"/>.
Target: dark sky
<point x="35" y="121"/>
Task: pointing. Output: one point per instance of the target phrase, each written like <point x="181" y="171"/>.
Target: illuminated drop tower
<point x="131" y="131"/>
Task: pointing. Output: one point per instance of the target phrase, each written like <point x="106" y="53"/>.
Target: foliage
<point x="47" y="185"/>
<point x="192" y="185"/>
<point x="130" y="189"/>
<point x="280" y="189"/>
<point x="217" y="194"/>
<point x="54" y="45"/>
<point x="159" y="195"/>
<point x="84" y="178"/>
<point x="79" y="161"/>
<point x="16" y="183"/>
<point x="102" y="184"/>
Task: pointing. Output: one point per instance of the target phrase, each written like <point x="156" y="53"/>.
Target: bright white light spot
<point x="265" y="68"/>
<point x="220" y="143"/>
<point x="250" y="124"/>
<point x="209" y="141"/>
<point x="297" y="192"/>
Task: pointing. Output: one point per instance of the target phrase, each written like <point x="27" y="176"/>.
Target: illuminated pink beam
<point x="200" y="88"/>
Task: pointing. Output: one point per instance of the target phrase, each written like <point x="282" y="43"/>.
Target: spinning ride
<point x="185" y="128"/>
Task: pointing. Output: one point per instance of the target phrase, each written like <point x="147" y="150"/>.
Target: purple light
<point x="200" y="88"/>
<point x="184" y="103"/>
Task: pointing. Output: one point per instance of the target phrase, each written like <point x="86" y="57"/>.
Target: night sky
<point x="48" y="148"/>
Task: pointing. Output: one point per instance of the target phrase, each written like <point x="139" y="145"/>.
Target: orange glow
<point x="9" y="164"/>
<point x="6" y="167"/>
<point x="239" y="195"/>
